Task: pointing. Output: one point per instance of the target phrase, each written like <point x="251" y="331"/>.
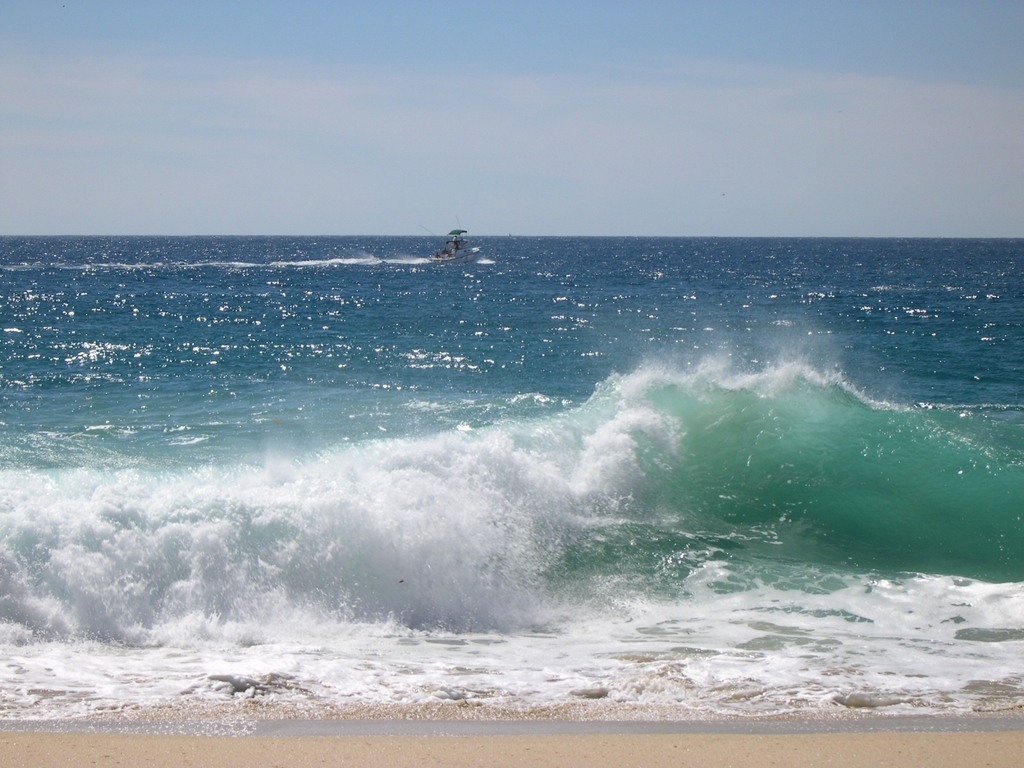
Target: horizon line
<point x="532" y="236"/>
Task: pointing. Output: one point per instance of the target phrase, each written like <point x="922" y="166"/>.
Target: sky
<point x="729" y="118"/>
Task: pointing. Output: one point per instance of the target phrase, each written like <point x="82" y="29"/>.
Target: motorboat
<point x="456" y="250"/>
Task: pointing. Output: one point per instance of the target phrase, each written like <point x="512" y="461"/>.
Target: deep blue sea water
<point x="754" y="475"/>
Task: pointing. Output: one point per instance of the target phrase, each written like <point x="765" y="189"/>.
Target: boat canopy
<point x="456" y="232"/>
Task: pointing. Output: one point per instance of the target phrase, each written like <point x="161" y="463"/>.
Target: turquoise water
<point x="748" y="449"/>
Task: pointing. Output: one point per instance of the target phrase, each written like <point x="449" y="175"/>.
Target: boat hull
<point x="463" y="256"/>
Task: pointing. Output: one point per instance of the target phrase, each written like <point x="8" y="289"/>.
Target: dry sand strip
<point x="701" y="750"/>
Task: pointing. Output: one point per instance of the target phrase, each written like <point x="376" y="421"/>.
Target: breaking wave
<point x="666" y="477"/>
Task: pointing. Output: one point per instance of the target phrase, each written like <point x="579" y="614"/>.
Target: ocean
<point x="666" y="476"/>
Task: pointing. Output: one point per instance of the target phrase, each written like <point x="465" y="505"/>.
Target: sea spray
<point x="661" y="471"/>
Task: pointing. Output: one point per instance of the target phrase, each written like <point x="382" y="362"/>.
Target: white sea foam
<point x="765" y="651"/>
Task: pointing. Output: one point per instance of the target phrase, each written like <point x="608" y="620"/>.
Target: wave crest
<point x="662" y="472"/>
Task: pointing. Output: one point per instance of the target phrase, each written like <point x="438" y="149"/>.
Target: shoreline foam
<point x="256" y="718"/>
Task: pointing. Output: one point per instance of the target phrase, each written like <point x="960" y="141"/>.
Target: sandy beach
<point x="906" y="750"/>
<point x="874" y="742"/>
